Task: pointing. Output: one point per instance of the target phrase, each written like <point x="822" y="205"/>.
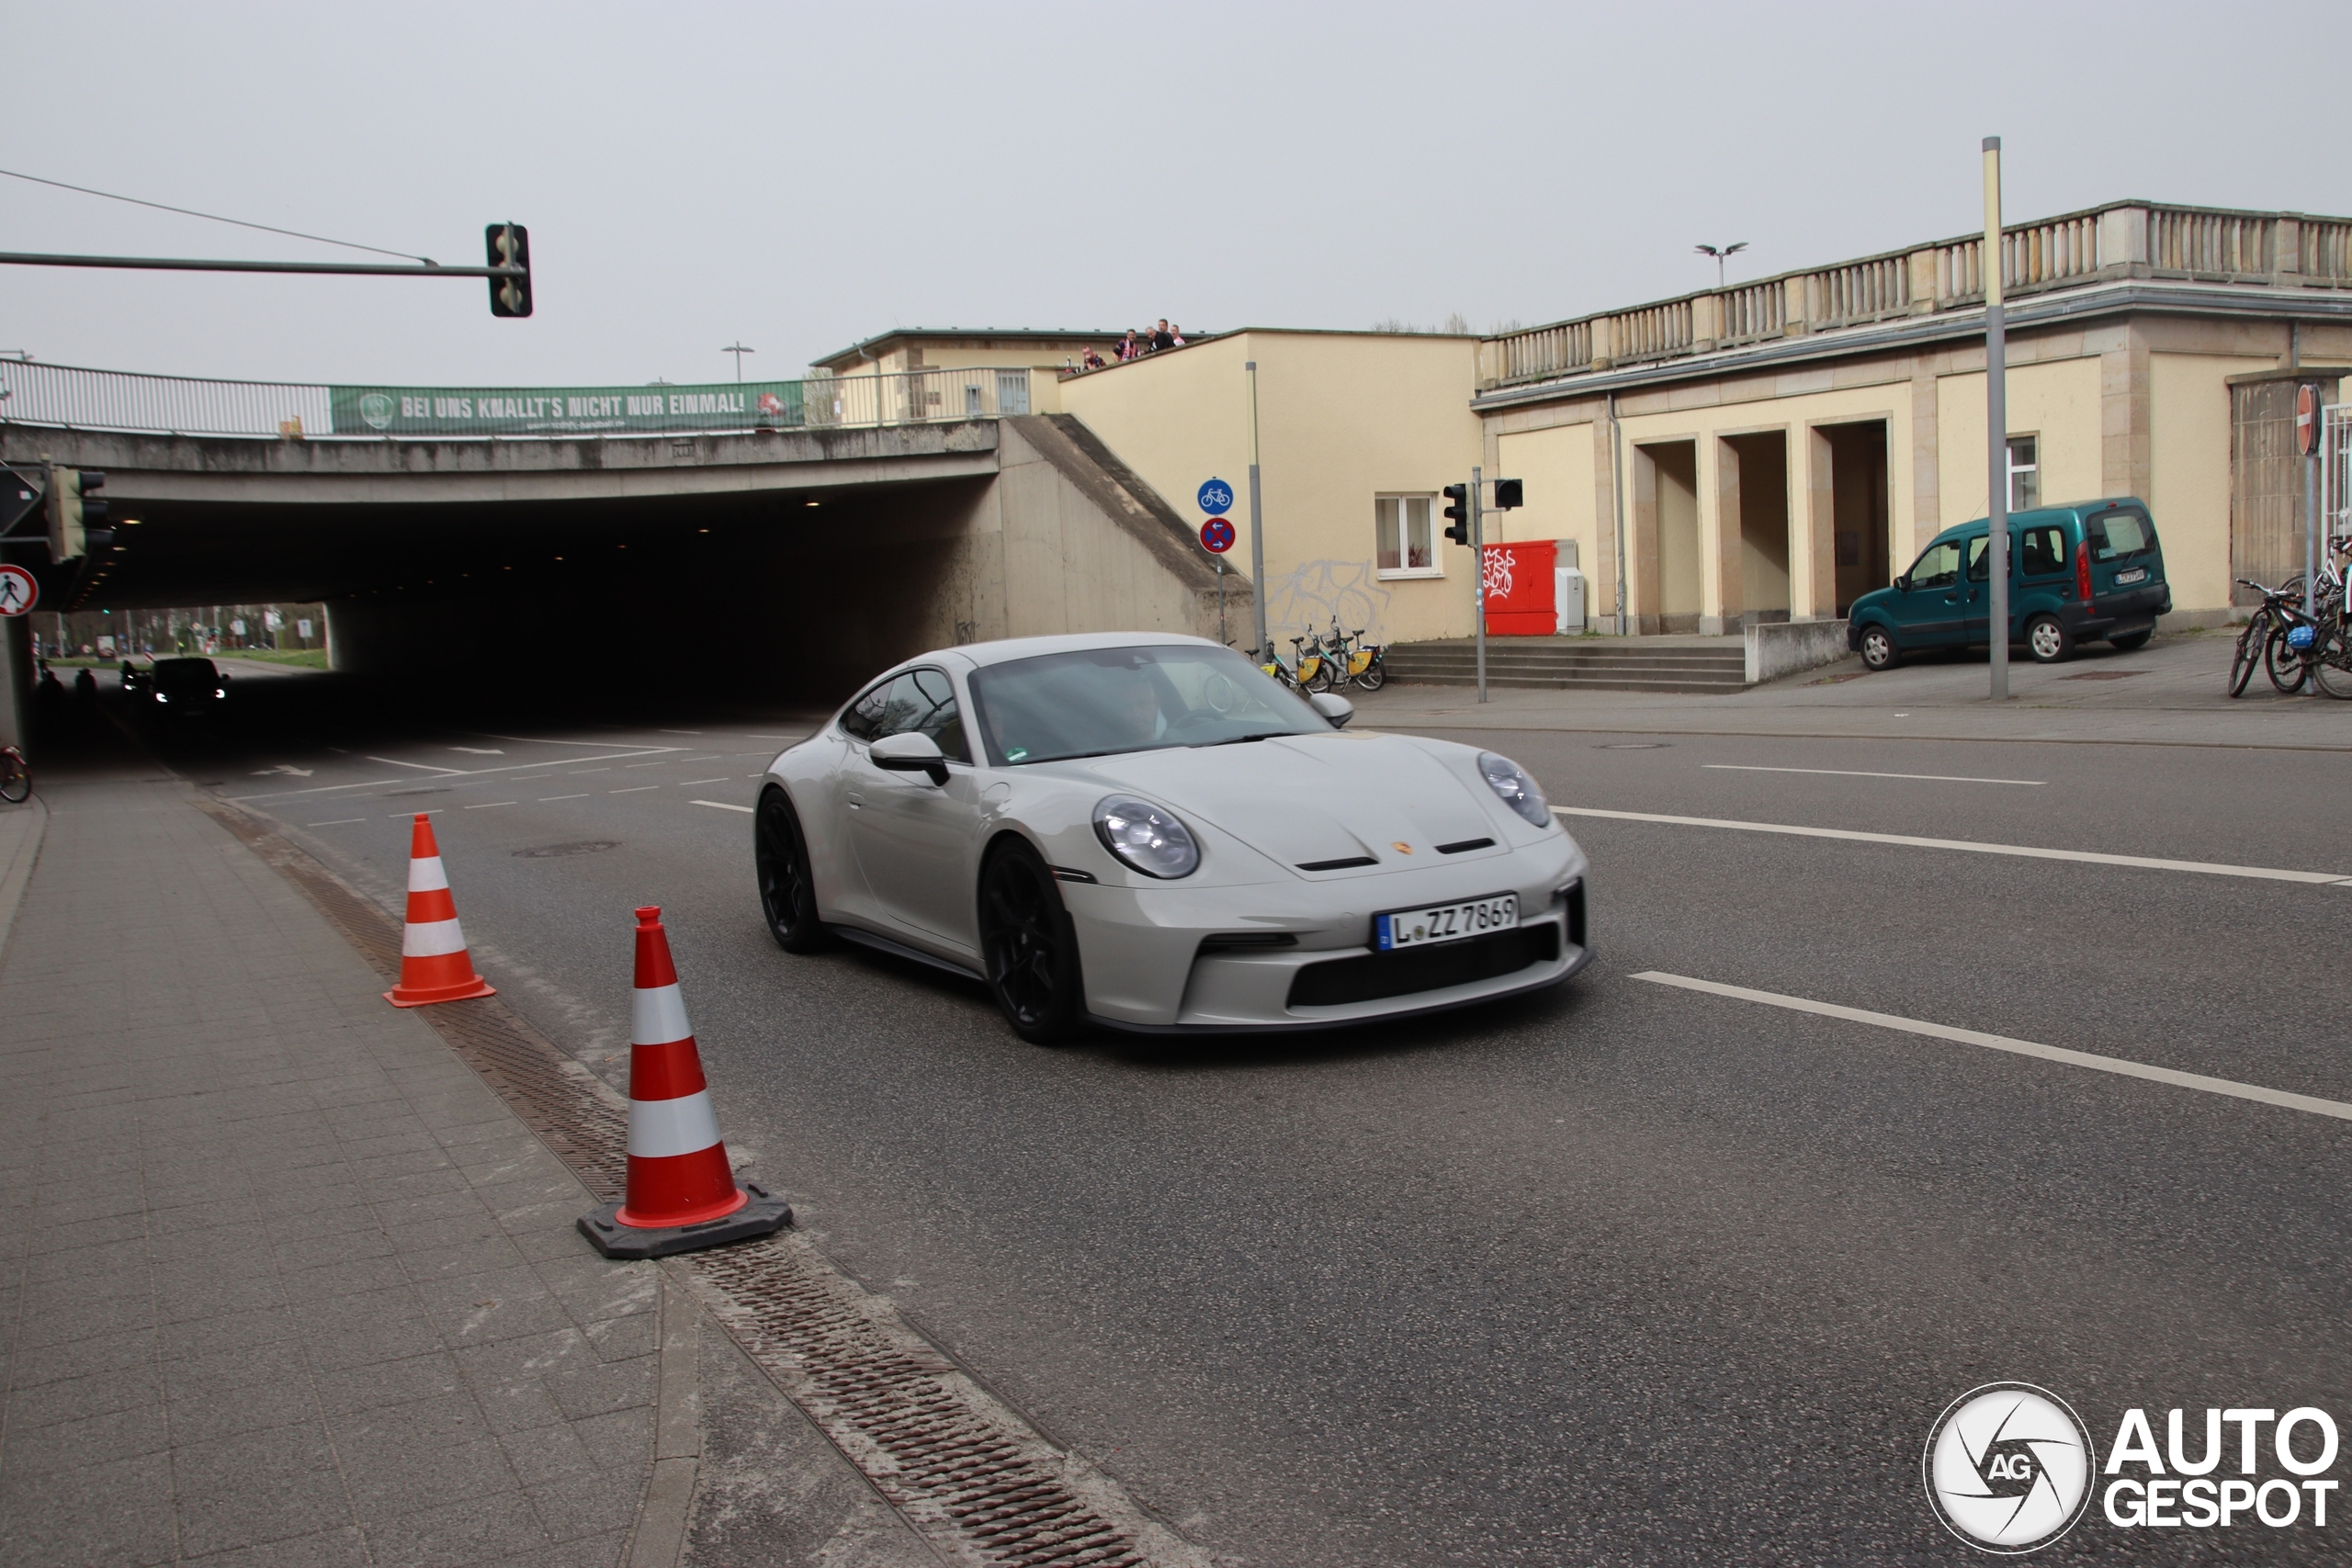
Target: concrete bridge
<point x="807" y="557"/>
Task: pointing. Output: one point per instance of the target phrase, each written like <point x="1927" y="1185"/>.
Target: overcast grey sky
<point x="806" y="176"/>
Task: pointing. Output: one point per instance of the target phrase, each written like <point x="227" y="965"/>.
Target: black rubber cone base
<point x="765" y="1215"/>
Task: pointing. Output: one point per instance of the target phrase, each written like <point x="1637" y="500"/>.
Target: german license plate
<point x="1445" y="922"/>
<point x="2137" y="574"/>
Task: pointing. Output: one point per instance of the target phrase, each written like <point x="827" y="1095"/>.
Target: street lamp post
<point x="1722" y="254"/>
<point x="738" y="351"/>
<point x="1997" y="429"/>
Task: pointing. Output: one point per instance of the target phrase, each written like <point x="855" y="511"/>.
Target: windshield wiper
<point x="1237" y="739"/>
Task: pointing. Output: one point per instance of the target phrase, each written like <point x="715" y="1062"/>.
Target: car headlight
<point x="1519" y="792"/>
<point x="160" y="698"/>
<point x="1146" y="837"/>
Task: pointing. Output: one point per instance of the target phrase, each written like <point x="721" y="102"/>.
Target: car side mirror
<point x="1903" y="581"/>
<point x="910" y="751"/>
<point x="1333" y="707"/>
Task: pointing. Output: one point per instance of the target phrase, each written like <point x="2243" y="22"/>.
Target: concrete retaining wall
<point x="1783" y="647"/>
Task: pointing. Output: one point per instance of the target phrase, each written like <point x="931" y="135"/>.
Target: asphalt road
<point x="1624" y="1273"/>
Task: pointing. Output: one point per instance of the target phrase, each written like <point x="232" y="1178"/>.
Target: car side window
<point x="919" y="700"/>
<point x="1979" y="569"/>
<point x="2043" y="551"/>
<point x="1938" y="566"/>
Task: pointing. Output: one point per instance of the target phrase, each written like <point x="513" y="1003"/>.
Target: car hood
<point x="1301" y="800"/>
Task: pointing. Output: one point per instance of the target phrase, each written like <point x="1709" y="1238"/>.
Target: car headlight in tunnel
<point x="160" y="698"/>
<point x="1147" y="837"/>
<point x="1508" y="779"/>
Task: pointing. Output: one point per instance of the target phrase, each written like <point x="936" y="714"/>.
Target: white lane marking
<point x="527" y="778"/>
<point x="633" y="789"/>
<point x="2116" y="1064"/>
<point x="662" y="763"/>
<point x="714" y="757"/>
<point x="1857" y="774"/>
<point x="488" y="803"/>
<point x="751" y="736"/>
<point x="545" y="798"/>
<point x="339" y="821"/>
<point x="689" y="783"/>
<point x="469" y="772"/>
<point x="2265" y="873"/>
<point x="435" y="812"/>
<point x="480" y="750"/>
<point x="421" y="767"/>
<point x="677" y="732"/>
<point x="577" y="772"/>
<point x="720" y="806"/>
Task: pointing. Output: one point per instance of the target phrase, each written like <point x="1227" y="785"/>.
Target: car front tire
<point x="1029" y="946"/>
<point x="787" y="887"/>
<point x="1877" y="649"/>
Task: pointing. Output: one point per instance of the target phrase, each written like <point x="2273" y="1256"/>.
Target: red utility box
<point x="1519" y="584"/>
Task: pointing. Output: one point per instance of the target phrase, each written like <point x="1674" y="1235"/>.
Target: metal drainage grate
<point x="976" y="1480"/>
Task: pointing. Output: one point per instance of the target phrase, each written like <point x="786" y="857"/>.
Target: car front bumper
<point x="1164" y="960"/>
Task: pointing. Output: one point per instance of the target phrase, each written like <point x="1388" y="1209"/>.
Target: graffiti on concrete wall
<point x="1305" y="600"/>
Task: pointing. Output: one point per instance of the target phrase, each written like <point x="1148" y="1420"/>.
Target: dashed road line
<point x="662" y="763"/>
<point x="338" y="822"/>
<point x="1857" y="774"/>
<point x="2030" y="852"/>
<point x="545" y="798"/>
<point x="421" y="767"/>
<point x="677" y="732"/>
<point x="720" y="806"/>
<point x="2116" y="1064"/>
<point x="577" y="772"/>
<point x="435" y="811"/>
<point x="689" y="783"/>
<point x="488" y="803"/>
<point x="633" y="789"/>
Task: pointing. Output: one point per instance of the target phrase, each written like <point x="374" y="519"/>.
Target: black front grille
<point x="1376" y="975"/>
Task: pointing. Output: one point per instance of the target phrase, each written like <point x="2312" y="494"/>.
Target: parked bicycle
<point x="15" y="776"/>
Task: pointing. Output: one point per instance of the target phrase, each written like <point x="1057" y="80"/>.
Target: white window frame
<point x="1404" y="544"/>
<point x="2018" y="470"/>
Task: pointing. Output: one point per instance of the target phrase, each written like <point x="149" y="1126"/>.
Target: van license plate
<point x="2137" y="574"/>
<point x="1445" y="922"/>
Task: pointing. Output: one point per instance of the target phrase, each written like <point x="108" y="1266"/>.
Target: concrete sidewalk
<point x="285" y="1282"/>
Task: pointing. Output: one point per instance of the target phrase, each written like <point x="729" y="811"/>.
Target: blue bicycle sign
<point x="1216" y="498"/>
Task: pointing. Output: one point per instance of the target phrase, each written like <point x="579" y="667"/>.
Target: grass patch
<point x="300" y="658"/>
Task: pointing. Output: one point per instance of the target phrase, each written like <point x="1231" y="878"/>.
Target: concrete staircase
<point x="1608" y="664"/>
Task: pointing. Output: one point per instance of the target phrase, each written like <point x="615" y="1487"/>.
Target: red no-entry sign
<point x="1217" y="535"/>
<point x="19" y="592"/>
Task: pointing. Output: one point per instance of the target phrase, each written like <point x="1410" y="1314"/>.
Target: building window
<point x="2025" y="473"/>
<point x="1403" y="530"/>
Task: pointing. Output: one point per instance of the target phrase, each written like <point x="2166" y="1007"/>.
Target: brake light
<point x="2083" y="571"/>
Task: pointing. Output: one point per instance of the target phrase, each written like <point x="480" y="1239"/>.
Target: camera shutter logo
<point x="376" y="408"/>
<point x="2009" y="1468"/>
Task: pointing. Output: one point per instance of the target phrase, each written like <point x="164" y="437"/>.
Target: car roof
<point x="2064" y="511"/>
<point x="981" y="654"/>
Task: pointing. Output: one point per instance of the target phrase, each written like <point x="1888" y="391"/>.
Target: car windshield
<point x="1100" y="701"/>
<point x="182" y="672"/>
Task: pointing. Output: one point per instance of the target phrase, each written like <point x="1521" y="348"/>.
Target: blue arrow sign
<point x="1216" y="498"/>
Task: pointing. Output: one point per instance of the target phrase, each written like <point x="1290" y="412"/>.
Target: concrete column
<point x="1722" y="579"/>
<point x="2287" y="247"/>
<point x="1796" y="309"/>
<point x="1600" y="573"/>
<point x="17" y="681"/>
<point x="1923" y="285"/>
<point x="1604" y="341"/>
<point x="1706" y="322"/>
<point x="1926" y="479"/>
<point x="2123" y="242"/>
<point x="2127" y="443"/>
<point x="1812" y="531"/>
<point x="1642" y="592"/>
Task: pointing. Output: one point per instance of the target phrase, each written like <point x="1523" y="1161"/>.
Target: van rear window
<point x="2043" y="551"/>
<point x="2119" y="536"/>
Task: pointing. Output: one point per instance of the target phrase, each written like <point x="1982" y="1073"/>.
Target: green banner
<point x="563" y="411"/>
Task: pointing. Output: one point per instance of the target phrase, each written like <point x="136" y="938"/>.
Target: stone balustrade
<point x="2124" y="240"/>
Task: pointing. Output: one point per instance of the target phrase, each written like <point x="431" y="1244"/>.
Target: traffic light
<point x="509" y="244"/>
<point x="1508" y="494"/>
<point x="1457" y="509"/>
<point x="77" y="511"/>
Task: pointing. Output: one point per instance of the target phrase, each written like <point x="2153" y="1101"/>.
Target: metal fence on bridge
<point x="69" y="397"/>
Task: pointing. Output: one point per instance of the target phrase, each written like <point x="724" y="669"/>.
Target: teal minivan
<point x="2077" y="574"/>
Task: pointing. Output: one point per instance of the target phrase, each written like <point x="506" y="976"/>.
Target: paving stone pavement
<point x="282" y="1281"/>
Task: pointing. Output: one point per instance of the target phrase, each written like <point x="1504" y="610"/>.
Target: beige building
<point x="1765" y="451"/>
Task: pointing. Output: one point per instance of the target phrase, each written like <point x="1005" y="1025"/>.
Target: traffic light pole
<point x="1478" y="567"/>
<point x="1265" y="654"/>
<point x="1996" y="426"/>
<point x="350" y="270"/>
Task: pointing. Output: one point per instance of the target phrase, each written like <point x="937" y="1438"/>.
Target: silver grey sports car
<point x="1146" y="832"/>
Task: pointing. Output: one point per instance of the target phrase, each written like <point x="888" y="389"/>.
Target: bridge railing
<point x="71" y="396"/>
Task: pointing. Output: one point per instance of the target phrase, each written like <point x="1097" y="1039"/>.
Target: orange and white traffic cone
<point x="435" y="966"/>
<point x="682" y="1193"/>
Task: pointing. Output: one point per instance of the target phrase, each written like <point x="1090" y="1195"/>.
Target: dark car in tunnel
<point x="184" y="686"/>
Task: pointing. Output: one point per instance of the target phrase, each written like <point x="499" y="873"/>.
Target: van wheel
<point x="1879" y="651"/>
<point x="2047" y="640"/>
<point x="2131" y="640"/>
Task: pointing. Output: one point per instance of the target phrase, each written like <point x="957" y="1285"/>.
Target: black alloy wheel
<point x="1029" y="947"/>
<point x="1878" y="650"/>
<point x="788" y="892"/>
